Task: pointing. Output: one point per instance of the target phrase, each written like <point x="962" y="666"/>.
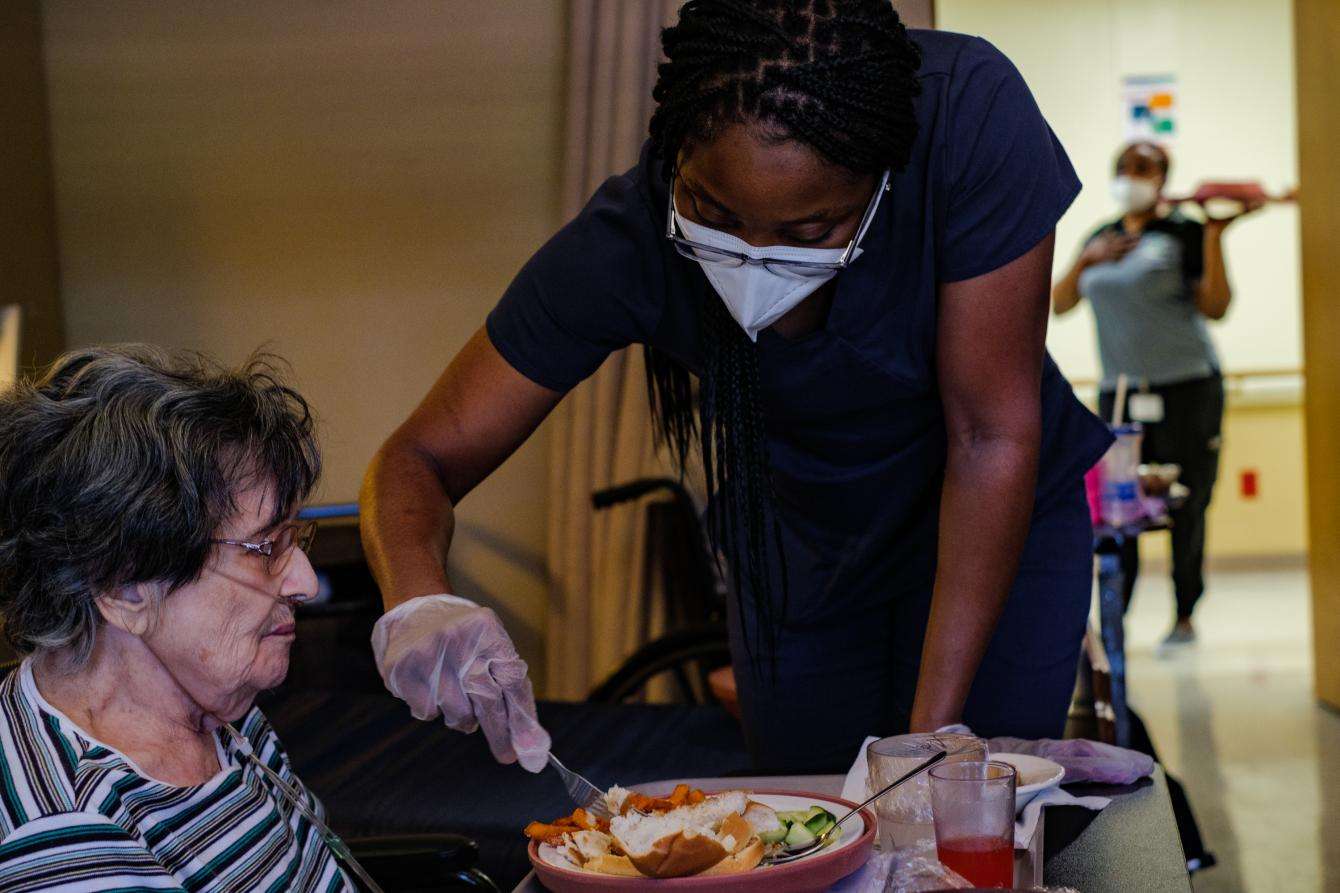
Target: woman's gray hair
<point x="120" y="464"/>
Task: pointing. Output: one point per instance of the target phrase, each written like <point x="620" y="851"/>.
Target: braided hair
<point x="840" y="77"/>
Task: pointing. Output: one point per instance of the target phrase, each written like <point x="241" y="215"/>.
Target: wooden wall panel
<point x="351" y="185"/>
<point x="1317" y="34"/>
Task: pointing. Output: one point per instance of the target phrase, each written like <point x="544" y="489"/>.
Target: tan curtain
<point x="916" y="13"/>
<point x="601" y="433"/>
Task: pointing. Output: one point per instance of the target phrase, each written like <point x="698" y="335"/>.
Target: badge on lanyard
<point x="1147" y="408"/>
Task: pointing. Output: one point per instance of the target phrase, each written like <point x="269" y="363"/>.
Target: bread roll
<point x="614" y="865"/>
<point x="744" y="859"/>
<point x="679" y="854"/>
<point x="688" y="840"/>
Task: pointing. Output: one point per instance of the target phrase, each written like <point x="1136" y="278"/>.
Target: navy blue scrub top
<point x="853" y="413"/>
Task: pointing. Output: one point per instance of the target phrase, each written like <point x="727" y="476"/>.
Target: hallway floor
<point x="1234" y="717"/>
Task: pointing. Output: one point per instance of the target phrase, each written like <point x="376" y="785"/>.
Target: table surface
<point x="379" y="771"/>
<point x="1132" y="846"/>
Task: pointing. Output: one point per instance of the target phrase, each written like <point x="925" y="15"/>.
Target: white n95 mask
<point x="757" y="295"/>
<point x="1133" y="194"/>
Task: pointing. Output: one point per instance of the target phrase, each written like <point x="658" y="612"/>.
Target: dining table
<point x="1129" y="847"/>
<point x="379" y="771"/>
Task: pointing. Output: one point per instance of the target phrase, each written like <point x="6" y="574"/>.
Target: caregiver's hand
<point x="446" y="655"/>
<point x="1108" y="247"/>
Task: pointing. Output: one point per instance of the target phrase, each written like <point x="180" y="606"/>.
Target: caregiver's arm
<point x="1213" y="292"/>
<point x="476" y="415"/>
<point x="991" y="337"/>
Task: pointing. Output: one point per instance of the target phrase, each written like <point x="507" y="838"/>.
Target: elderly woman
<point x="150" y="562"/>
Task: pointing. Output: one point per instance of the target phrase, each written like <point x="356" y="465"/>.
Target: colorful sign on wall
<point x="1150" y="101"/>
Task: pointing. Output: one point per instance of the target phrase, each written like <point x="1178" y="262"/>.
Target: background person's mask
<point x="755" y="295"/>
<point x="1133" y="194"/>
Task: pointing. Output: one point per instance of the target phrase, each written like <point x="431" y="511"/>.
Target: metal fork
<point x="583" y="793"/>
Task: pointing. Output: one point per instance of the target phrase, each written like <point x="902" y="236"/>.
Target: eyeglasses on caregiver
<point x="714" y="254"/>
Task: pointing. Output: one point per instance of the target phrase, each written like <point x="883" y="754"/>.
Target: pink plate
<point x="817" y="872"/>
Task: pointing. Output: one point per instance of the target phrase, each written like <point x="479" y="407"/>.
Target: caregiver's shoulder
<point x="958" y="56"/>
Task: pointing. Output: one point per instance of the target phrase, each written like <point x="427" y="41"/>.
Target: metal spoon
<point x="822" y="840"/>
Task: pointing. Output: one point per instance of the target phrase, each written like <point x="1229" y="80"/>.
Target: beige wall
<point x="350" y="184"/>
<point x="1263" y="437"/>
<point x="28" y="267"/>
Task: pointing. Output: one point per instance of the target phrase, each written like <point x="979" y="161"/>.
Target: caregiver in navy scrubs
<point x="842" y="231"/>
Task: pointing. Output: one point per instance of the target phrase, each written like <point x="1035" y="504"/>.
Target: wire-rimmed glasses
<point x="276" y="553"/>
<point x="711" y="254"/>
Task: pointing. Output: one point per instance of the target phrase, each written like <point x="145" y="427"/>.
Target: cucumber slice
<point x="817" y="829"/>
<point x="799" y="836"/>
<point x="790" y="817"/>
<point x="774" y="835"/>
<point x="819" y="823"/>
<point x="812" y="812"/>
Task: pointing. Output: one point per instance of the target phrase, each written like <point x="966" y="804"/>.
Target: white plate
<point x="816" y="872"/>
<point x="1036" y="775"/>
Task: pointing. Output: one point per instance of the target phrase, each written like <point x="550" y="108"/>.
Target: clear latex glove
<point x="445" y="655"/>
<point x="1083" y="760"/>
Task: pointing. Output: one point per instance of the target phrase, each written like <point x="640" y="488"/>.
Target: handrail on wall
<point x="1238" y="377"/>
<point x="1258" y="387"/>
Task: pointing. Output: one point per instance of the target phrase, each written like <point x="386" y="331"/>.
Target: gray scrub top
<point x="1144" y="304"/>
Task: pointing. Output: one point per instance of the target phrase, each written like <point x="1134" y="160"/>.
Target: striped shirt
<point x="78" y="815"/>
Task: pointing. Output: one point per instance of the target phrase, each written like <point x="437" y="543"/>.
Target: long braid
<point x="840" y="77"/>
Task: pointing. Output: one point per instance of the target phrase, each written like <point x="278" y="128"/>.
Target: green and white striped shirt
<point x="77" y="815"/>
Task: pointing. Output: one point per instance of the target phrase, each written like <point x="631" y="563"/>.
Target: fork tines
<point x="583" y="793"/>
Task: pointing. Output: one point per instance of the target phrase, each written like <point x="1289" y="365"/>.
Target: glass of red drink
<point x="973" y="807"/>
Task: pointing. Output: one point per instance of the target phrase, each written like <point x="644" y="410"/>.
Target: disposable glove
<point x="445" y="655"/>
<point x="1083" y="760"/>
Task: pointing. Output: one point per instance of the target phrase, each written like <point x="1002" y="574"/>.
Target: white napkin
<point x="856" y="788"/>
<point x="1027" y="821"/>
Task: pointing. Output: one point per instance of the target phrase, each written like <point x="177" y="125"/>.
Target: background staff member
<point x="1153" y="277"/>
<point x="845" y="234"/>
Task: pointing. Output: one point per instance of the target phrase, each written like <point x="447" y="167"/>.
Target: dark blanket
<point x="380" y="771"/>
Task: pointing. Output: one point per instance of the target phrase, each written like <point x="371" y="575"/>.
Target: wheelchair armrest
<point x="402" y="863"/>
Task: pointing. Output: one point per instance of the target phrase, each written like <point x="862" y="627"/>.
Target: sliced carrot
<point x="550" y="834"/>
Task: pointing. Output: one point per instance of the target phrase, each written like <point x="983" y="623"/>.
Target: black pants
<point x="1189" y="435"/>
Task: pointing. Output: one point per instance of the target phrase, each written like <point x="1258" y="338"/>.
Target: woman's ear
<point x="131" y="609"/>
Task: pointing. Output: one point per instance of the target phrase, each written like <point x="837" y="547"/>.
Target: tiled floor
<point x="1234" y="717"/>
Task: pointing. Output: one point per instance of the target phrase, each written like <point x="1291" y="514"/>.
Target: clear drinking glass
<point x="905" y="812"/>
<point x="973" y="805"/>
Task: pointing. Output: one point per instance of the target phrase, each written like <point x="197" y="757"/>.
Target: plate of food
<point x="692" y="839"/>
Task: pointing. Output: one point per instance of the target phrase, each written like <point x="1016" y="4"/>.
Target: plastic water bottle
<point x="1121" y="502"/>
